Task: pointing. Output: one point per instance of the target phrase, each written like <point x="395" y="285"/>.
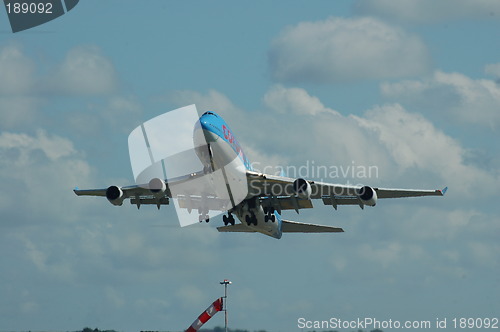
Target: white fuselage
<point x="218" y="155"/>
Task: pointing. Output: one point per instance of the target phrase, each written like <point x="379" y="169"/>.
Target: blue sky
<point x="411" y="87"/>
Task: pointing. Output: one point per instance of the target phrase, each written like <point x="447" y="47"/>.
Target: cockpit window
<point x="211" y="113"/>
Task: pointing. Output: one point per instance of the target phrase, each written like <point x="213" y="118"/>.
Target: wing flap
<point x="299" y="227"/>
<point x="341" y="200"/>
<point x="287" y="203"/>
<point x="208" y="203"/>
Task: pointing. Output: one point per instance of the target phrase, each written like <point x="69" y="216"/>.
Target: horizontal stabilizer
<point x="287" y="227"/>
<point x="299" y="227"/>
<point x="240" y="228"/>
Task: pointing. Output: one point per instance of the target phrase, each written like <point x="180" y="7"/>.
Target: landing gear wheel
<point x="248" y="220"/>
<point x="266" y="218"/>
<point x="225" y="220"/>
<point x="273" y="218"/>
<point x="254" y="219"/>
<point x="231" y="219"/>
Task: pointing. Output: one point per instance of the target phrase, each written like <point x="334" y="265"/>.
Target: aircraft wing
<point x="129" y="191"/>
<point x="142" y="194"/>
<point x="278" y="192"/>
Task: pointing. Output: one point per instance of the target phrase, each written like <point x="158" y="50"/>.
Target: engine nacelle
<point x="114" y="195"/>
<point x="367" y="195"/>
<point x="157" y="187"/>
<point x="302" y="188"/>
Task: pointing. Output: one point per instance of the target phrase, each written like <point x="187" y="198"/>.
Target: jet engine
<point x="302" y="188"/>
<point x="157" y="187"/>
<point x="114" y="195"/>
<point x="367" y="195"/>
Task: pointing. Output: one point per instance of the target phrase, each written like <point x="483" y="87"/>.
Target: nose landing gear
<point x="203" y="215"/>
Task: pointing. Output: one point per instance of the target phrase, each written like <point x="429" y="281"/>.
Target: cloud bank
<point x="467" y="100"/>
<point x="343" y="50"/>
<point x="418" y="11"/>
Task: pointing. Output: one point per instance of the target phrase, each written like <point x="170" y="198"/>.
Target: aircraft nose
<point x="204" y="121"/>
<point x="204" y="129"/>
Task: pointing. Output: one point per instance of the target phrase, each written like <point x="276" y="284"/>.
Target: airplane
<point x="267" y="195"/>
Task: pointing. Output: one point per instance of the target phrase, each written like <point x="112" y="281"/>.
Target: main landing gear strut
<point x="229" y="219"/>
<point x="251" y="219"/>
<point x="269" y="215"/>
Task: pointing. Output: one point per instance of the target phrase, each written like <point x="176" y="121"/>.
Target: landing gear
<point x="229" y="219"/>
<point x="204" y="217"/>
<point x="203" y="214"/>
<point x="252" y="219"/>
<point x="271" y="218"/>
<point x="269" y="215"/>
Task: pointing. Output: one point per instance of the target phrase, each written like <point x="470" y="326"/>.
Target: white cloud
<point x="53" y="147"/>
<point x="325" y="139"/>
<point x="389" y="137"/>
<point x="340" y="50"/>
<point x="42" y="168"/>
<point x="84" y="71"/>
<point x="413" y="141"/>
<point x="385" y="255"/>
<point x="428" y="10"/>
<point x="211" y="101"/>
<point x="463" y="98"/>
<point x="17" y="73"/>
<point x="294" y="100"/>
<point x="18" y="110"/>
<point x="16" y="70"/>
<point x="493" y="69"/>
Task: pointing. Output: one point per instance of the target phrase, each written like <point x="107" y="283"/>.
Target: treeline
<point x="215" y="329"/>
<point x="222" y="329"/>
<point x="88" y="329"/>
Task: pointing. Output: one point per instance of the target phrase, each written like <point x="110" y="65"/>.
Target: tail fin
<point x="282" y="172"/>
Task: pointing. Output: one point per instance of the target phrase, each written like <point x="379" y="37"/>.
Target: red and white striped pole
<point x="214" y="308"/>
